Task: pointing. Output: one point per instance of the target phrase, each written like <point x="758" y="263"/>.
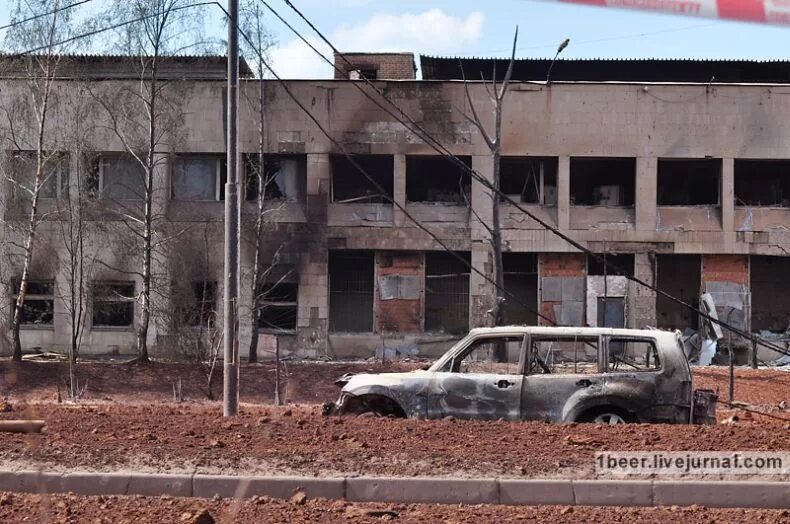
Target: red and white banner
<point x="760" y="11"/>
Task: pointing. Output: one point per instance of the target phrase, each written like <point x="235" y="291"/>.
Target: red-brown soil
<point x="298" y="440"/>
<point x="133" y="510"/>
<point x="141" y="428"/>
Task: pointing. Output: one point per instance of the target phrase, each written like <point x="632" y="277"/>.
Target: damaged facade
<point x="680" y="182"/>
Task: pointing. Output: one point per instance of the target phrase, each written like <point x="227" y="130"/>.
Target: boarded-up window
<point x="446" y="293"/>
<point x="351" y="292"/>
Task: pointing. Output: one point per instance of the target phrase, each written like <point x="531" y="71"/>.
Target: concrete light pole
<point x="230" y="392"/>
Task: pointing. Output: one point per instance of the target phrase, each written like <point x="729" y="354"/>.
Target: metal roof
<point x="209" y="67"/>
<point x="610" y="70"/>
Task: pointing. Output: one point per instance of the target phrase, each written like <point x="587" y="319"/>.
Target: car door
<point x="482" y="381"/>
<point x="561" y="371"/>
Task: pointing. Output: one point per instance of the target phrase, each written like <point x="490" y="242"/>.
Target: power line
<point x="445" y="152"/>
<point x="42" y="15"/>
<point x="373" y="182"/>
<point x="108" y="28"/>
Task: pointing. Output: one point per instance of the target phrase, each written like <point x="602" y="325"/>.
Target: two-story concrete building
<point x="678" y="170"/>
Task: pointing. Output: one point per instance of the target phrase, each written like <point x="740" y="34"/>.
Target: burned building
<point x="682" y="181"/>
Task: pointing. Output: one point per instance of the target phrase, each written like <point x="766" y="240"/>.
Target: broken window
<point x="22" y="169"/>
<point x="493" y="355"/>
<point x="203" y="306"/>
<point x="351" y="292"/>
<point x="531" y="180"/>
<point x="284" y="177"/>
<point x="770" y="289"/>
<point x="437" y="179"/>
<point x="199" y="177"/>
<point x="679" y="276"/>
<point x="279" y="306"/>
<point x="603" y="181"/>
<point x="113" y="304"/>
<point x="627" y="355"/>
<point x="689" y="182"/>
<point x="39" y="306"/>
<point x="117" y="177"/>
<point x="762" y="183"/>
<point x="622" y="265"/>
<point x="562" y="355"/>
<point x="521" y="283"/>
<point x="350" y="185"/>
<point x="359" y="74"/>
<point x="446" y="293"/>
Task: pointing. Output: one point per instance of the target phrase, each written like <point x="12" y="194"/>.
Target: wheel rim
<point x="610" y="419"/>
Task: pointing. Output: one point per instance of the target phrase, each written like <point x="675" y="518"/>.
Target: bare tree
<point x="255" y="45"/>
<point x="36" y="154"/>
<point x="78" y="261"/>
<point x="147" y="118"/>
<point x="493" y="140"/>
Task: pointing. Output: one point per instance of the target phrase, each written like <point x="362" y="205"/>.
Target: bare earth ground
<point x="132" y="510"/>
<point x="157" y="434"/>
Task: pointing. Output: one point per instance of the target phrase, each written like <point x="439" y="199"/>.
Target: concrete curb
<point x="721" y="494"/>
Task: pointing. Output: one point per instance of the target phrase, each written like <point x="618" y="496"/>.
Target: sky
<point x="480" y="28"/>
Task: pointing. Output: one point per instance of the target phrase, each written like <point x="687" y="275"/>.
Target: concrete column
<point x="646" y="193"/>
<point x="564" y="193"/>
<point x="641" y="307"/>
<point x="161" y="302"/>
<point x="728" y="194"/>
<point x="482" y="292"/>
<point x="313" y="299"/>
<point x="399" y="189"/>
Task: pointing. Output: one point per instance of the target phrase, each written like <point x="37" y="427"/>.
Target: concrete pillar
<point x="728" y="194"/>
<point x="313" y="300"/>
<point x="641" y="307"/>
<point x="646" y="193"/>
<point x="482" y="292"/>
<point x="564" y="193"/>
<point x="399" y="189"/>
<point x="160" y="269"/>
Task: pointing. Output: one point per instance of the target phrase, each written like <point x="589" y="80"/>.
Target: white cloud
<point x="430" y="32"/>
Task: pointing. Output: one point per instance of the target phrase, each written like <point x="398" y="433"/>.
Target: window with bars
<point x="446" y="293"/>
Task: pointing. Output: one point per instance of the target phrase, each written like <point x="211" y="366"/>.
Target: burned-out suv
<point x="560" y="374"/>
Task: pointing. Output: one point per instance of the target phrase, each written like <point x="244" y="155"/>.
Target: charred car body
<point x="558" y="374"/>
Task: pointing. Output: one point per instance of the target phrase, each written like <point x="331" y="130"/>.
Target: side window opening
<point x="627" y="355"/>
<point x="494" y="355"/>
<point x="564" y="355"/>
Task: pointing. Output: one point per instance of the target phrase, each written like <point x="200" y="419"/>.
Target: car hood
<point x="385" y="379"/>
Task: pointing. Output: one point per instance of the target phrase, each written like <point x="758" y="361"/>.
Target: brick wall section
<point x="562" y="265"/>
<point x="390" y="66"/>
<point x="399" y="315"/>
<point x="725" y="268"/>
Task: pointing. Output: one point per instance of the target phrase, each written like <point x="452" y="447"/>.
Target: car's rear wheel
<point x="376" y="404"/>
<point x="609" y="419"/>
<point x="607" y="416"/>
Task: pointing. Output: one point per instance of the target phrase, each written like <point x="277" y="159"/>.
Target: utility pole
<point x="230" y="404"/>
